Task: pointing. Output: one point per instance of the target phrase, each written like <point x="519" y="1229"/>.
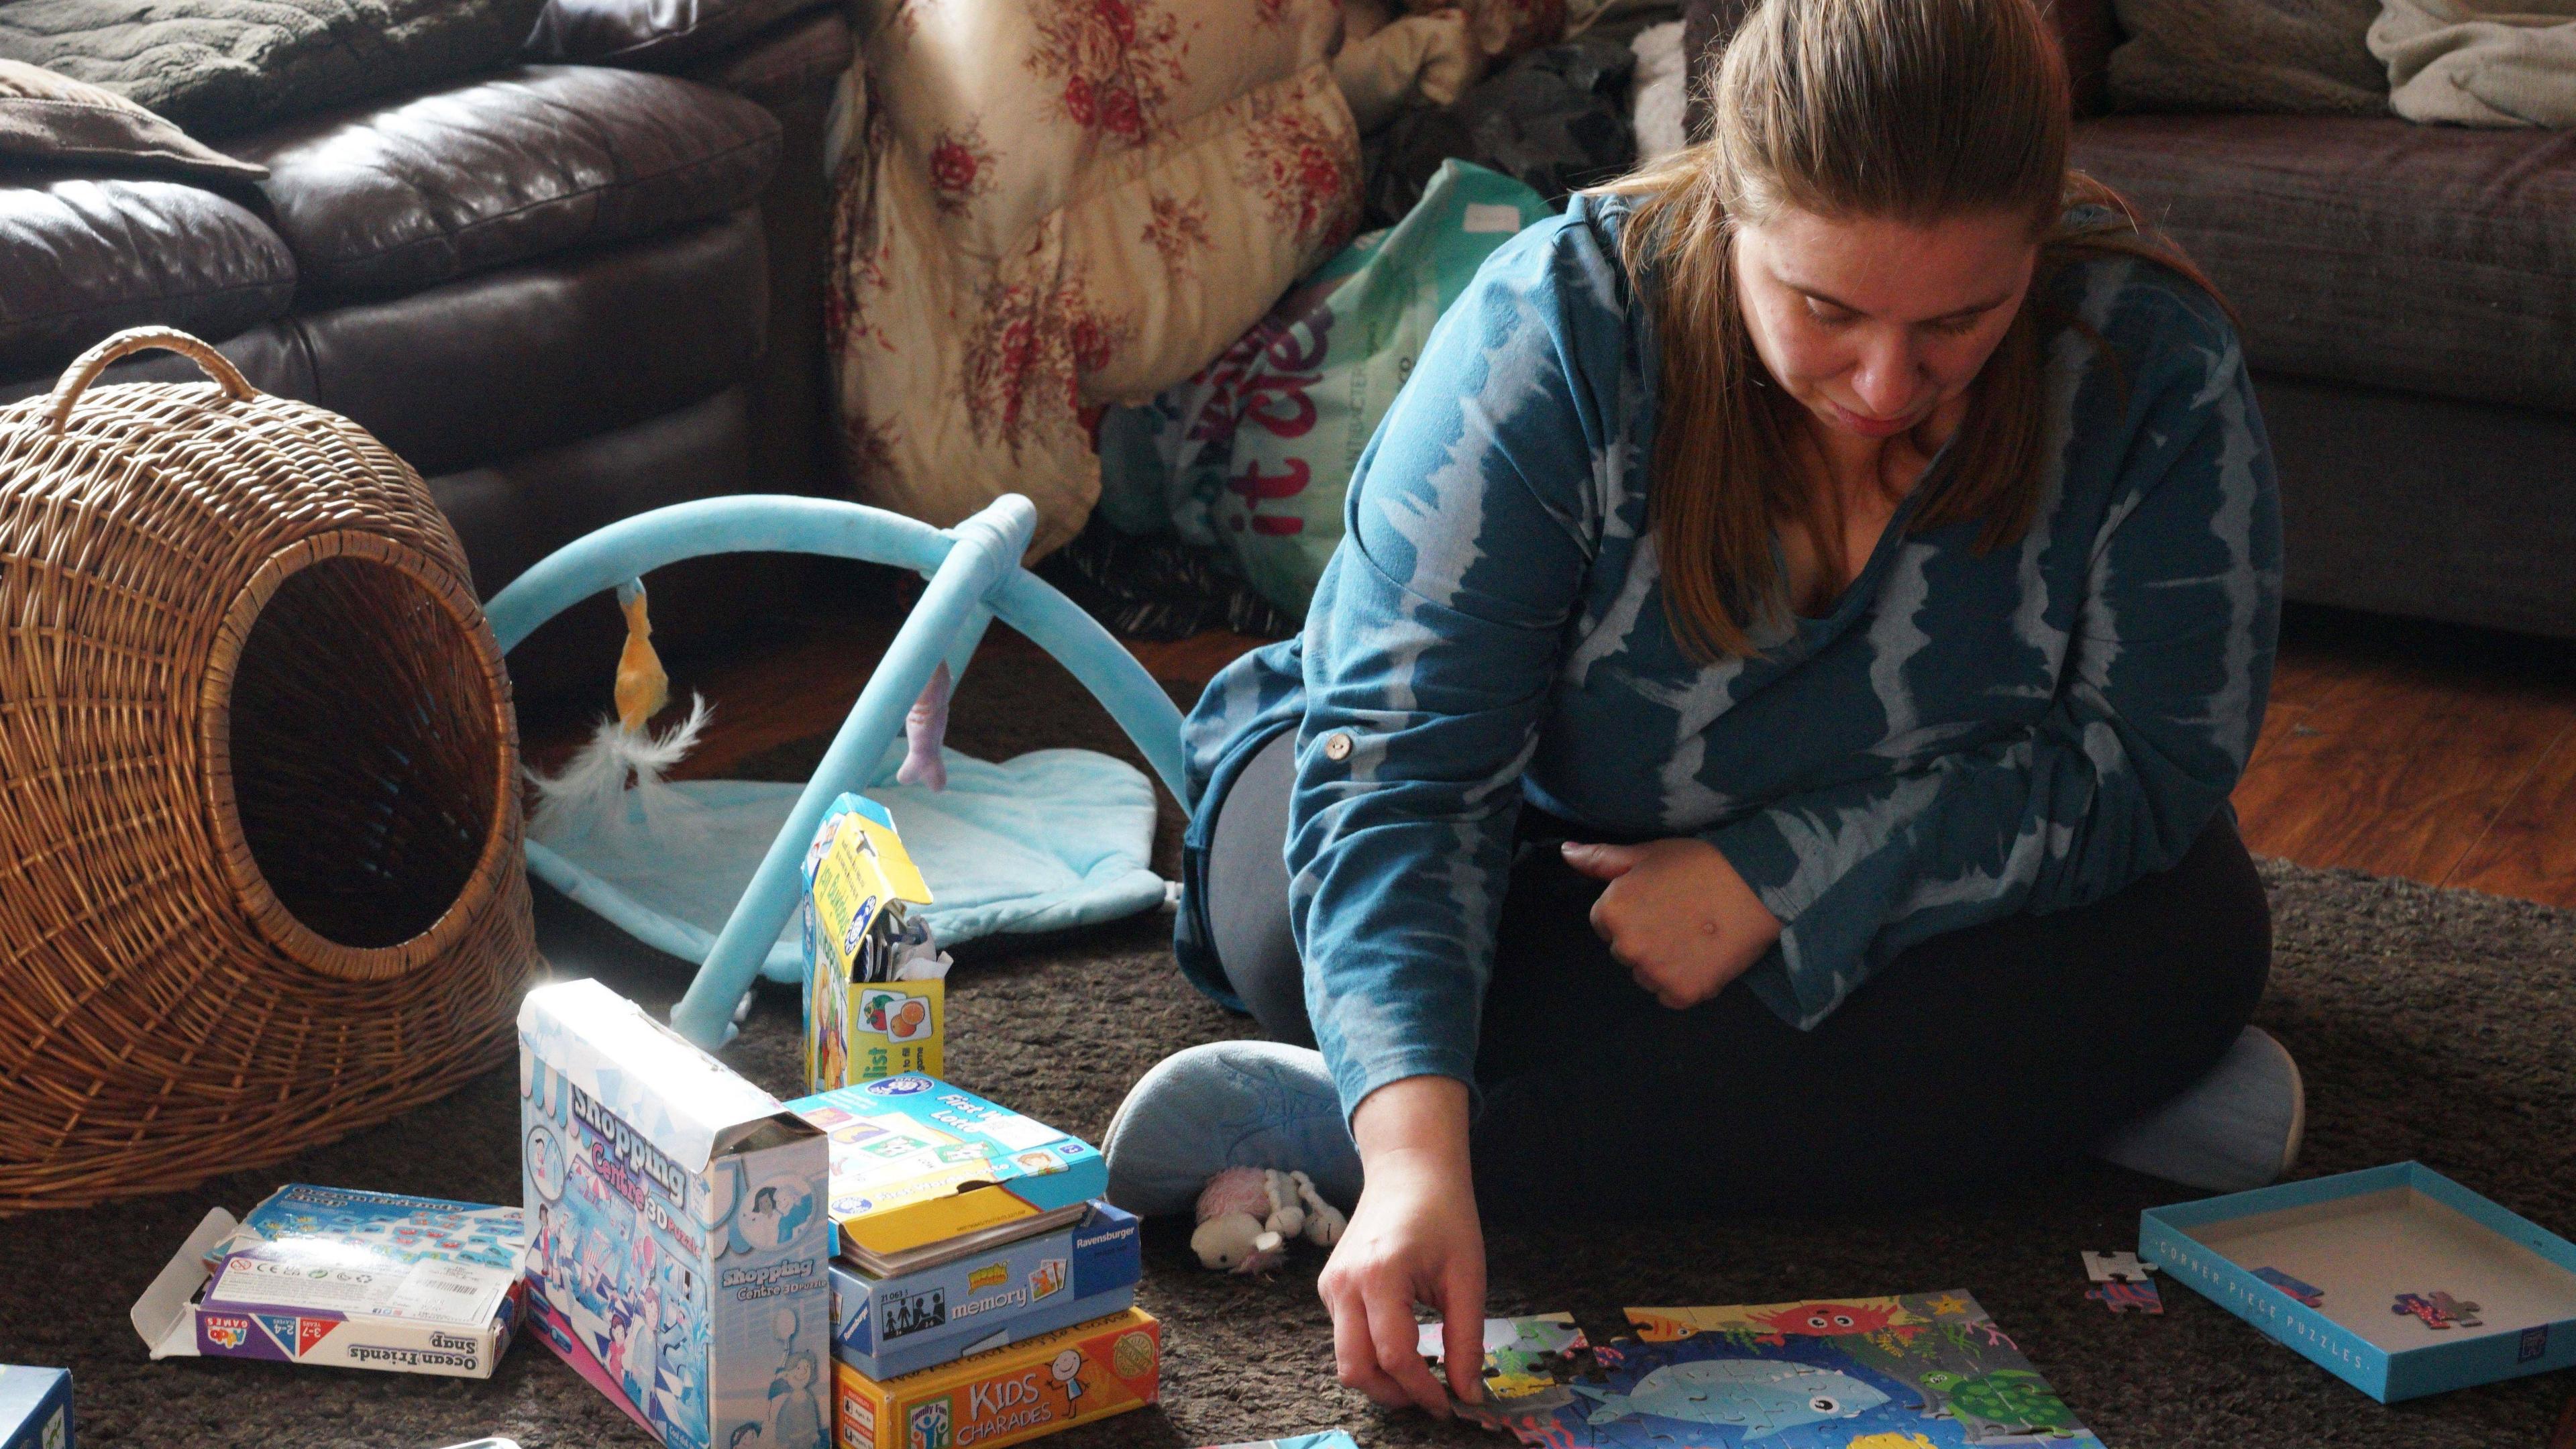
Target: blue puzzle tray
<point x="2396" y="1279"/>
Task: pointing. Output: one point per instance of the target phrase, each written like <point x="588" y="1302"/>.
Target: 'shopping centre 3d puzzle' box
<point x="677" y="1228"/>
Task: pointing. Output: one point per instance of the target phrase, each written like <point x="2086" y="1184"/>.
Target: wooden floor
<point x="2441" y="755"/>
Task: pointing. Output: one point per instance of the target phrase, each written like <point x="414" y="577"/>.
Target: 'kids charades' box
<point x="923" y="1171"/>
<point x="676" y="1226"/>
<point x="1086" y="1372"/>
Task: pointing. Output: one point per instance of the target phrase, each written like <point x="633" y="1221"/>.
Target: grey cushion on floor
<point x="217" y="66"/>
<point x="2428" y="259"/>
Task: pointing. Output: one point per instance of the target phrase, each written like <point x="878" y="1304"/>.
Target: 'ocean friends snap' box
<point x="676" y="1226"/>
<point x="1086" y="1372"/>
<point x="922" y="1170"/>
<point x="887" y="1327"/>
<point x="35" y="1407"/>
<point x="876" y="997"/>
<point x="344" y="1277"/>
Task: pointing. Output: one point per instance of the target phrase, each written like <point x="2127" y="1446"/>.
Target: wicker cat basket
<point x="260" y="874"/>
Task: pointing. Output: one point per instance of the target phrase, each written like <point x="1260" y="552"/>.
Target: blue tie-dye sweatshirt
<point x="1966" y="735"/>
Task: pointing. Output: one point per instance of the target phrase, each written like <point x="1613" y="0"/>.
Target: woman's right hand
<point x="1414" y="1238"/>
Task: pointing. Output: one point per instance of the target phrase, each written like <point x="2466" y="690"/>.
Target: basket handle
<point x="86" y="368"/>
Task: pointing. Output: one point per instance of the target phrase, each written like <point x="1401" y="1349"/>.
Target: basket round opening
<point x="362" y="765"/>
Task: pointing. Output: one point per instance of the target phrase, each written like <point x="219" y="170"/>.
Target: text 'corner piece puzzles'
<point x="1910" y="1371"/>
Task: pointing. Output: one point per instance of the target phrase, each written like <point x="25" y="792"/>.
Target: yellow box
<point x="895" y="1027"/>
<point x="1073" y="1376"/>
<point x="860" y="889"/>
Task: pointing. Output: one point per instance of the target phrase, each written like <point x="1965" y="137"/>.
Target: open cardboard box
<point x="2362" y="1239"/>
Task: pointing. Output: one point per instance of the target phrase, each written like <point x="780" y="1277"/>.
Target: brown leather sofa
<point x="565" y="291"/>
<point x="2408" y="296"/>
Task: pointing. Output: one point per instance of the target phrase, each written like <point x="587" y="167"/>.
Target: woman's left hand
<point x="1676" y="915"/>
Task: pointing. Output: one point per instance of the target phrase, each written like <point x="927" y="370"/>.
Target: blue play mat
<point x="1051" y="839"/>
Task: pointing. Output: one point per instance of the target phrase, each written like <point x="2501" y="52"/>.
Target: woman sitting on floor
<point x="1765" y="740"/>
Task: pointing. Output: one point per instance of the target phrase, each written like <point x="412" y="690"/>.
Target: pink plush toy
<point x="924" y="726"/>
<point x="1246" y="1215"/>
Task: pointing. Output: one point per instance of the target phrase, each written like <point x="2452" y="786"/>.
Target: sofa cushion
<point x="83" y="257"/>
<point x="222" y="66"/>
<point x="2271" y="56"/>
<point x="2425" y="258"/>
<point x="653" y="34"/>
<point x="55" y="121"/>
<point x="529" y="357"/>
<point x="413" y="192"/>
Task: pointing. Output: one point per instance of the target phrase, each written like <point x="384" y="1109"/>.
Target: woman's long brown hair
<point x="1908" y="110"/>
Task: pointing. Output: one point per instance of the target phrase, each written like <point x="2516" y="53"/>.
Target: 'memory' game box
<point x="885" y="1327"/>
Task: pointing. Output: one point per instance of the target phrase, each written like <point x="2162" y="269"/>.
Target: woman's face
<point x="1874" y="324"/>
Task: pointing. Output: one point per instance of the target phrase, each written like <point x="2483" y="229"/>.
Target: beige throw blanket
<point x="2480" y="62"/>
<point x="1044" y="207"/>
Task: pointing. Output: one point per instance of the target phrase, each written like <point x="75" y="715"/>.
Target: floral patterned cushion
<point x="1043" y="207"/>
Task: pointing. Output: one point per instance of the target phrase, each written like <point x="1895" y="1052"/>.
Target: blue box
<point x="923" y="1171"/>
<point x="2360" y="1260"/>
<point x="35" y="1408"/>
<point x="885" y="1327"/>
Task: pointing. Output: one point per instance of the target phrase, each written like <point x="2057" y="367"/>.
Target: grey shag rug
<point x="2432" y="1025"/>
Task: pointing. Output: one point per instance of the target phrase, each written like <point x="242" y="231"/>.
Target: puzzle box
<point x="2327" y="1266"/>
<point x="677" y="1232"/>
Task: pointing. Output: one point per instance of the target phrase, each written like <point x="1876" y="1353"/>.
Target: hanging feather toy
<point x="617" y="786"/>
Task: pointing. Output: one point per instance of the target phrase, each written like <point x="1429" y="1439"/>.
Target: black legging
<point x="1975" y="1057"/>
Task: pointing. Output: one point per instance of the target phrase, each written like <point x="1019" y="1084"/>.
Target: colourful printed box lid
<point x="686" y="1103"/>
<point x="902" y="1147"/>
<point x="400" y="1228"/>
<point x="346" y="1255"/>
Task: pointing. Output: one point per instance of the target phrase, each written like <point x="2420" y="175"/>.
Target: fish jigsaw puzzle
<point x="1910" y="1371"/>
<point x="1529" y="1365"/>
